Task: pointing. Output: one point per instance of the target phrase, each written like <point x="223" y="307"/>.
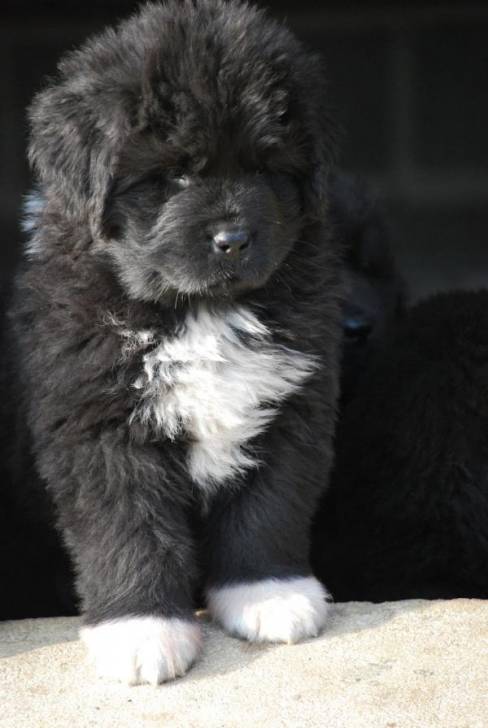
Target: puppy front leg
<point x="133" y="551"/>
<point x="260" y="586"/>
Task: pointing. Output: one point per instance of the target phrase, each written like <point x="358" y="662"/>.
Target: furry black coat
<point x="175" y="329"/>
<point x="407" y="512"/>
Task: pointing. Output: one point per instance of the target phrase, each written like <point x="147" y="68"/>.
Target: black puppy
<point x="410" y="489"/>
<point x="177" y="326"/>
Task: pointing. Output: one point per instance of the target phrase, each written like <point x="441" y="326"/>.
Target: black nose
<point x="230" y="240"/>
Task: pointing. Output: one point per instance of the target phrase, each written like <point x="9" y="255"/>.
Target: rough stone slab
<point x="395" y="665"/>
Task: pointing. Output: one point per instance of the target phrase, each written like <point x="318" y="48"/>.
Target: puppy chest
<point x="218" y="383"/>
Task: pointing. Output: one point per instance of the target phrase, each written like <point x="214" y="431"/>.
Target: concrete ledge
<point x="394" y="665"/>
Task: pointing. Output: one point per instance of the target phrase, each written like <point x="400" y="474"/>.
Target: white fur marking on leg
<point x="140" y="650"/>
<point x="272" y="610"/>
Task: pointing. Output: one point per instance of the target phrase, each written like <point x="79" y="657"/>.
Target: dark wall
<point x="410" y="87"/>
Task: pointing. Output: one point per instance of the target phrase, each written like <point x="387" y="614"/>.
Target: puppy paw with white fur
<point x="272" y="610"/>
<point x="139" y="650"/>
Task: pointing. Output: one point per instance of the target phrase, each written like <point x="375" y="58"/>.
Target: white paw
<point x="273" y="610"/>
<point x="139" y="650"/>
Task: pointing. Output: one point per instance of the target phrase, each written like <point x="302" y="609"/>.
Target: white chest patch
<point x="219" y="383"/>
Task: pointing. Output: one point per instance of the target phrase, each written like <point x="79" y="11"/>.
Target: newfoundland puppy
<point x="410" y="489"/>
<point x="176" y="329"/>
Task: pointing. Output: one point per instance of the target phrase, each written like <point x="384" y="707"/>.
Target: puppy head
<point x="375" y="291"/>
<point x="194" y="143"/>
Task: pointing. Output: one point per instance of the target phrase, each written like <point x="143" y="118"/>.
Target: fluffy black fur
<point x="188" y="119"/>
<point x="410" y="491"/>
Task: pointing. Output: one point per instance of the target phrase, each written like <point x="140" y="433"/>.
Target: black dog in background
<point x="375" y="291"/>
<point x="407" y="512"/>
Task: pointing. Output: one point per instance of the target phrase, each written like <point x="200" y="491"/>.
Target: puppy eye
<point x="180" y="181"/>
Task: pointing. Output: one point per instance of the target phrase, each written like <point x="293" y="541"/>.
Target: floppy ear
<point x="73" y="145"/>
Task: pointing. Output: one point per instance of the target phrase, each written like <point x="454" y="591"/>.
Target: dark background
<point x="410" y="85"/>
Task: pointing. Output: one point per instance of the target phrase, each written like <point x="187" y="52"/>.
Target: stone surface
<point x="395" y="665"/>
